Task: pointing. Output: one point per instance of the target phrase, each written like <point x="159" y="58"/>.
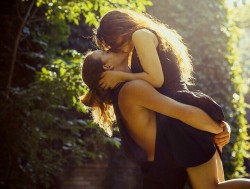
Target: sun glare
<point x="236" y="3"/>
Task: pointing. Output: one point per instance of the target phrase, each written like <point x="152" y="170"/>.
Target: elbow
<point x="157" y="83"/>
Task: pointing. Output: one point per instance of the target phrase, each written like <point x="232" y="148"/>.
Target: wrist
<point x="219" y="129"/>
<point x="123" y="76"/>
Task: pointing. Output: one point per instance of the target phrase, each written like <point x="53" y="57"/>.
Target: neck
<point x="124" y="63"/>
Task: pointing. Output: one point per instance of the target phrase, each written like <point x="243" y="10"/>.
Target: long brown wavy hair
<point x="117" y="27"/>
<point x="98" y="99"/>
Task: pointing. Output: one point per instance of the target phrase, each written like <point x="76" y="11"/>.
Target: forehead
<point x="100" y="55"/>
<point x="97" y="53"/>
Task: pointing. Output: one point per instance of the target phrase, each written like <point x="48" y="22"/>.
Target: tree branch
<point x="16" y="45"/>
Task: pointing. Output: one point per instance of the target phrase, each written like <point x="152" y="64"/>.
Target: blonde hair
<point x="123" y="23"/>
<point x="98" y="99"/>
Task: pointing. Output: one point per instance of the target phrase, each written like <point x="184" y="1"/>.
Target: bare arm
<point x="145" y="43"/>
<point x="142" y="94"/>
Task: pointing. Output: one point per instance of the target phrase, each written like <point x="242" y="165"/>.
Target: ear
<point x="108" y="67"/>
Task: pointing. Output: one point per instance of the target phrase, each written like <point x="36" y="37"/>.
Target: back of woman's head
<point x="98" y="99"/>
<point x="116" y="27"/>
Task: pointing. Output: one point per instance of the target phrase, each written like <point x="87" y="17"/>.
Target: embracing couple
<point x="139" y="79"/>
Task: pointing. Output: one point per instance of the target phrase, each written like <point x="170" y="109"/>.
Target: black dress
<point x="178" y="145"/>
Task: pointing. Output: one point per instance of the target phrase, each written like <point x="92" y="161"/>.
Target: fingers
<point x="109" y="79"/>
<point x="222" y="138"/>
<point x="221" y="142"/>
<point x="222" y="124"/>
<point x="222" y="135"/>
<point x="105" y="86"/>
<point x="103" y="83"/>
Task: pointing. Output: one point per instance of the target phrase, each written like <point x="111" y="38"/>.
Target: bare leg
<point x="220" y="169"/>
<point x="205" y="176"/>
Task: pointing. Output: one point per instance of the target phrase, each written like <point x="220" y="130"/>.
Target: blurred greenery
<point x="210" y="32"/>
<point x="44" y="129"/>
<point x="241" y="16"/>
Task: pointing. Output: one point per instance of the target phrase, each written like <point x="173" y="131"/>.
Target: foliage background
<point x="44" y="129"/>
<point x="212" y="36"/>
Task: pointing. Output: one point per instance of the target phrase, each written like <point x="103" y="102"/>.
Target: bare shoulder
<point x="133" y="90"/>
<point x="144" y="34"/>
<point x="135" y="85"/>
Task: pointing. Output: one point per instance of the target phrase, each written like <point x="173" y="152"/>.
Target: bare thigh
<point x="205" y="176"/>
<point x="220" y="169"/>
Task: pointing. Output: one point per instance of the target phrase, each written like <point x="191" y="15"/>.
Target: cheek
<point x="111" y="58"/>
<point x="115" y="61"/>
<point x="106" y="58"/>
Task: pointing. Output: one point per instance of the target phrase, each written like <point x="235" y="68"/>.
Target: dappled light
<point x="47" y="137"/>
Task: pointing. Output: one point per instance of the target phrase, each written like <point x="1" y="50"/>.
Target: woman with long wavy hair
<point x="134" y="104"/>
<point x="158" y="56"/>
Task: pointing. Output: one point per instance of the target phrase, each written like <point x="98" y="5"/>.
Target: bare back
<point x="139" y="121"/>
